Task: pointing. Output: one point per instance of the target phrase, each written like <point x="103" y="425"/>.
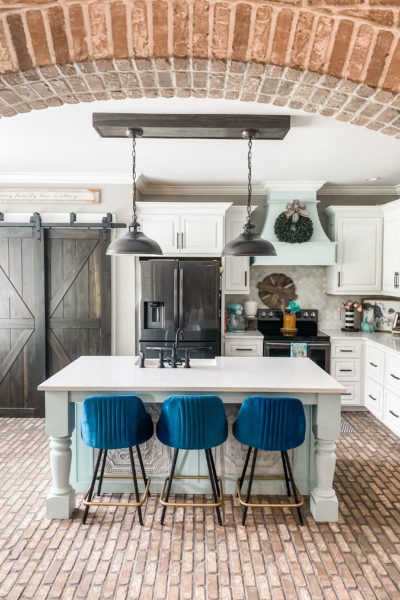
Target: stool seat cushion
<point x="270" y="423"/>
<point x="192" y="422"/>
<point x="112" y="422"/>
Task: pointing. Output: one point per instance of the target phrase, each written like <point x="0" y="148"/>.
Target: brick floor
<point x="191" y="557"/>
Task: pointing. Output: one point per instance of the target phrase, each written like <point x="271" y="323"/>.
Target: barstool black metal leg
<point x="296" y="499"/>
<point x="103" y="466"/>
<point x="142" y="466"/>
<point x="135" y="483"/>
<point x="286" y="473"/>
<point x="213" y="484"/>
<point x="246" y="462"/>
<point x="253" y="466"/>
<point x="96" y="468"/>
<point x="214" y="470"/>
<point x="164" y="510"/>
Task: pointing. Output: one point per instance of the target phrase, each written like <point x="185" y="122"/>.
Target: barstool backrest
<point x="192" y="422"/>
<point x="111" y="422"/>
<point x="270" y="423"/>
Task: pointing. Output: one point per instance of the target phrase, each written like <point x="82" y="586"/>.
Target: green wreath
<point x="293" y="233"/>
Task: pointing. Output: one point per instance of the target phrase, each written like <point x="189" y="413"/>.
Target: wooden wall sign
<point x="49" y="195"/>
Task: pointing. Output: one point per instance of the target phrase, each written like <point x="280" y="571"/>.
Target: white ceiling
<point x="60" y="145"/>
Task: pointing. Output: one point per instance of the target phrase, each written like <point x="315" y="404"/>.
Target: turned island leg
<point x="60" y="423"/>
<point x="326" y="428"/>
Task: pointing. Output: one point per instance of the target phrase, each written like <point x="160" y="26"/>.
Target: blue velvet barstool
<point x="193" y="423"/>
<point x="270" y="424"/>
<point x="111" y="423"/>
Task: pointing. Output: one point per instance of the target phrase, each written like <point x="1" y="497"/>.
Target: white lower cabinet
<point x="346" y="367"/>
<point x="352" y="396"/>
<point x="244" y="344"/>
<point x="382" y="389"/>
<point x="374" y="398"/>
<point x="244" y="348"/>
<point x="391" y="411"/>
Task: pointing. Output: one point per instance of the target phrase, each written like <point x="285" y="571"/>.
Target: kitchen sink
<point x="195" y="363"/>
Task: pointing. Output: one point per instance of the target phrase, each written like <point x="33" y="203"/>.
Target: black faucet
<point x="142" y="359"/>
<point x="174" y="361"/>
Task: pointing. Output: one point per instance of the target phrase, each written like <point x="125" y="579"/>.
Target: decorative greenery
<point x="293" y="233"/>
<point x="294" y="307"/>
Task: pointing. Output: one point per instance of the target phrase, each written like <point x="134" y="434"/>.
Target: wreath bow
<point x="295" y="210"/>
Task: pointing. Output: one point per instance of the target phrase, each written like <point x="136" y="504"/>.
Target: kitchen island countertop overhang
<point x="228" y="374"/>
<point x="231" y="378"/>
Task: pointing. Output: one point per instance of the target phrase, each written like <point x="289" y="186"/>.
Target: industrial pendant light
<point x="134" y="241"/>
<point x="249" y="243"/>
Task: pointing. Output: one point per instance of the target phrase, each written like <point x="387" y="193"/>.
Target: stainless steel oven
<point x="319" y="352"/>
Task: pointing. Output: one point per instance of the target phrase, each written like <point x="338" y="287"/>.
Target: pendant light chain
<point x="134" y="175"/>
<point x="249" y="188"/>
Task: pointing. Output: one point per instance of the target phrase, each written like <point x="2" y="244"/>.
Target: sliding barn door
<point x="78" y="296"/>
<point x="22" y="322"/>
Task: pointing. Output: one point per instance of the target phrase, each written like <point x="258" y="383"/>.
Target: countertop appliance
<point x="275" y="344"/>
<point x="236" y="321"/>
<point x="181" y="294"/>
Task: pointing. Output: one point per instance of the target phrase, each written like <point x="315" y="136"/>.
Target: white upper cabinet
<point x="185" y="228"/>
<point x="391" y="248"/>
<point x="237" y="268"/>
<point x="164" y="228"/>
<point x="358" y="232"/>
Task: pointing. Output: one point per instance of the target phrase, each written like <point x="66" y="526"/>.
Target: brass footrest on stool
<point x="193" y="504"/>
<point x="140" y="503"/>
<point x="266" y="504"/>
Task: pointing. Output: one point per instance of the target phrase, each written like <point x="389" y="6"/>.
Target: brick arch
<point x="337" y="57"/>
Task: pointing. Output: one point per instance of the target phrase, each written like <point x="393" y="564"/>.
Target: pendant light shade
<point x="249" y="243"/>
<point x="134" y="241"/>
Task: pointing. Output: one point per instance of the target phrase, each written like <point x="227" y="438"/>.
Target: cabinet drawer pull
<point x="347" y="394"/>
<point x="177" y="241"/>
<point x="394" y="376"/>
<point x="346" y="350"/>
<point x="372" y="397"/>
<point x="244" y="349"/>
<point x="346" y="370"/>
<point x="245" y="279"/>
<point x="394" y="414"/>
<point x="338" y="279"/>
<point x="373" y="364"/>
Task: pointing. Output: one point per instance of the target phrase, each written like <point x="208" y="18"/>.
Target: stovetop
<point x="270" y="321"/>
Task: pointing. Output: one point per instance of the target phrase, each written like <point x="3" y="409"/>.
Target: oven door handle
<point x="287" y="344"/>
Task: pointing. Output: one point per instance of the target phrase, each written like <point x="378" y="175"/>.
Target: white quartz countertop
<point x="228" y="374"/>
<point x="247" y="334"/>
<point x="379" y="337"/>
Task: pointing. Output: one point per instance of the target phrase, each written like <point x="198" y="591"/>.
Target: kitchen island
<point x="231" y="378"/>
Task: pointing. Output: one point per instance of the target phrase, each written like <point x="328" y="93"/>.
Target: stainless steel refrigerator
<point x="182" y="294"/>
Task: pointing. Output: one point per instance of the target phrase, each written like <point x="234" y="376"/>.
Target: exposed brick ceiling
<point x="337" y="57"/>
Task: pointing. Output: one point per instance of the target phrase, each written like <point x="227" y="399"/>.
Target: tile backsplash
<point x="310" y="282"/>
